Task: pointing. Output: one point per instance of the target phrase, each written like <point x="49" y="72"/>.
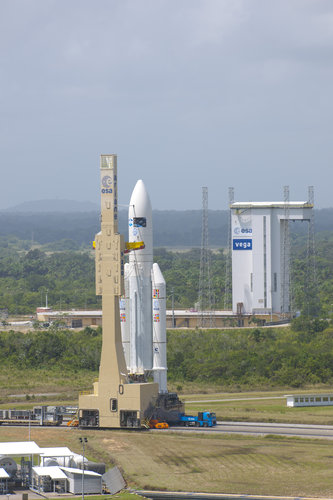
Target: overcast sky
<point x="187" y="93"/>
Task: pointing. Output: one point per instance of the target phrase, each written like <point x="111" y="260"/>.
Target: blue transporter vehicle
<point x="203" y="419"/>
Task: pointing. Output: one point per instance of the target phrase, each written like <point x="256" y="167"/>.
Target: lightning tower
<point x="311" y="279"/>
<point x="206" y="296"/>
<point x="228" y="278"/>
<point x="285" y="254"/>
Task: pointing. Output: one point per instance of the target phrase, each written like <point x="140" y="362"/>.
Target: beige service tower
<point x="115" y="402"/>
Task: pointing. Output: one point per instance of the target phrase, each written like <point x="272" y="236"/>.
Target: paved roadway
<point x="247" y="428"/>
<point x="263" y="429"/>
<point x="233" y="399"/>
<point x="176" y="495"/>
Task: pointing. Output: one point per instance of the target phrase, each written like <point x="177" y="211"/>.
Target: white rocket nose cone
<point x="158" y="277"/>
<point x="140" y="203"/>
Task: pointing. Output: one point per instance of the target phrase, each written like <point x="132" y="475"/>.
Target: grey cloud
<point x="187" y="92"/>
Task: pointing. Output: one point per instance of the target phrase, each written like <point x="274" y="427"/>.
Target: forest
<point x="61" y="266"/>
<point x="238" y="359"/>
<point x="68" y="277"/>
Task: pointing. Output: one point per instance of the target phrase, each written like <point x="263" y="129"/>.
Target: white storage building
<point x="92" y="481"/>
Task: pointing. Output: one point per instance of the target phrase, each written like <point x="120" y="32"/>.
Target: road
<point x="263" y="429"/>
<point x="250" y="429"/>
<point x="233" y="399"/>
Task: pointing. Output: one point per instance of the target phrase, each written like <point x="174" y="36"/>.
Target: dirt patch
<point x="112" y="445"/>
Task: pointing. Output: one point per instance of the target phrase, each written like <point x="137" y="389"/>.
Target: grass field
<point x="194" y="462"/>
<point x="224" y="464"/>
<point x="248" y="407"/>
<point x="66" y="384"/>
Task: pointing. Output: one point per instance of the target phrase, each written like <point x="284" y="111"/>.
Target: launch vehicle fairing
<point x="143" y="306"/>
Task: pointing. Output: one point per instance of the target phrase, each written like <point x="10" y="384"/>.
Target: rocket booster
<point x="143" y="305"/>
<point x="159" y="328"/>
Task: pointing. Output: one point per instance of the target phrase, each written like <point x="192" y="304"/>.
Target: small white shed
<point x="309" y="400"/>
<point x="48" y="479"/>
<point x="92" y="481"/>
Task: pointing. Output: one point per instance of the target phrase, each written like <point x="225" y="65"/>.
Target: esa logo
<point x="243" y="230"/>
<point x="106" y="183"/>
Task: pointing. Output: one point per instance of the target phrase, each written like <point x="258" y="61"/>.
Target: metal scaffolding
<point x="206" y="301"/>
<point x="285" y="256"/>
<point x="311" y="279"/>
<point x="228" y="266"/>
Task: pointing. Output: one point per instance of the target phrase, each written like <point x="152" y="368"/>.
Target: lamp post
<point x="83" y="441"/>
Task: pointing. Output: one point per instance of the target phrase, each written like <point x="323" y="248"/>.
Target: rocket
<point x="143" y="305"/>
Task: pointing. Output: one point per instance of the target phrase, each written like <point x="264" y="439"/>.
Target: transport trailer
<point x="17" y="417"/>
<point x="203" y="419"/>
<point x="39" y="415"/>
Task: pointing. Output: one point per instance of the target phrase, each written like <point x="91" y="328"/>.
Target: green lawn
<point x="200" y="462"/>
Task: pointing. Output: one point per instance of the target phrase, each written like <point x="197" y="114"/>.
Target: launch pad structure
<point x="260" y="250"/>
<point x="115" y="401"/>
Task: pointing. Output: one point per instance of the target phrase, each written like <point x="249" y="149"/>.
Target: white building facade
<point x="260" y="255"/>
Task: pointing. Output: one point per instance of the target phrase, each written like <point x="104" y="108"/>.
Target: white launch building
<point x="260" y="259"/>
<point x="143" y="307"/>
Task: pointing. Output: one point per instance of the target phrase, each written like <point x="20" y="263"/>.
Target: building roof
<point x="19" y="448"/>
<point x="169" y="313"/>
<point x="69" y="313"/>
<point x="194" y="313"/>
<point x="56" y="452"/>
<point x="3" y="474"/>
<point x="271" y="204"/>
<point x="80" y="471"/>
<point x="53" y="472"/>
